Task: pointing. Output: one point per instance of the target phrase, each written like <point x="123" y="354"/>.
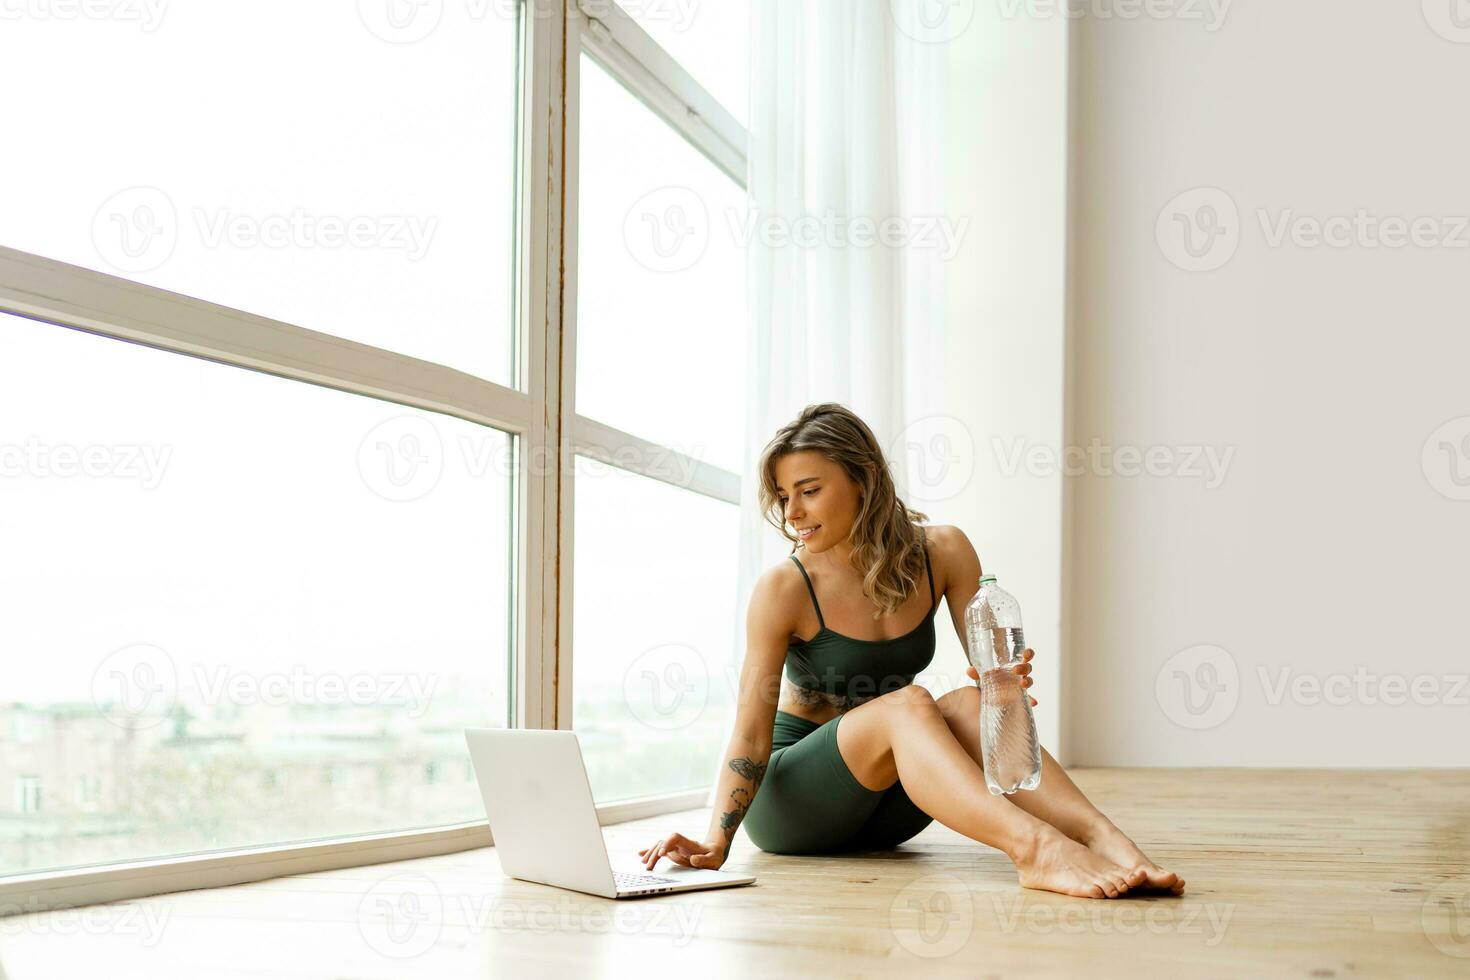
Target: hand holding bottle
<point x="1022" y="670"/>
<point x="997" y="651"/>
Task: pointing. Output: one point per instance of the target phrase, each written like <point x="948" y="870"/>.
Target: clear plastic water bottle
<point x="1008" y="742"/>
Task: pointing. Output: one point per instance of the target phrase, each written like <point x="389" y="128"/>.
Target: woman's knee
<point x="962" y="702"/>
<point x="911" y="699"/>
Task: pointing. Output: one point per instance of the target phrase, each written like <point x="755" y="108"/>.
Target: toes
<point x="1103" y="889"/>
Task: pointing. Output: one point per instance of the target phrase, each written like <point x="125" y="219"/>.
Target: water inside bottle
<point x="1008" y="744"/>
<point x="997" y="646"/>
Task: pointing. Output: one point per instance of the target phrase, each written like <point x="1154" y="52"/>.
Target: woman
<point x="854" y="756"/>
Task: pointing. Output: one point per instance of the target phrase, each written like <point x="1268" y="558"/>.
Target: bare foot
<point x="1056" y="863"/>
<point x="1114" y="845"/>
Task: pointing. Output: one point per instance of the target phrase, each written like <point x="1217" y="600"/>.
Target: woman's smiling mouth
<point x="806" y="533"/>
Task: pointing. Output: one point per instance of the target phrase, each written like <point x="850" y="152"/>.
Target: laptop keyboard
<point x="626" y="879"/>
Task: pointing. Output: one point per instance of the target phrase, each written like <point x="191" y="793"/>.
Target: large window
<point x="661" y="376"/>
<point x="255" y="596"/>
<point x="660" y="281"/>
<point x="236" y="609"/>
<point x="304" y="161"/>
<point x="655" y="603"/>
<point x="351" y="395"/>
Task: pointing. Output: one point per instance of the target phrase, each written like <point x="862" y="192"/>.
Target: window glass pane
<point x="652" y="629"/>
<point x="661" y="318"/>
<point x="235" y="609"/>
<point x="316" y="163"/>
<point x="710" y="40"/>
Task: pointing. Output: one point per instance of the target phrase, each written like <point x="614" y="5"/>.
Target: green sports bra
<point x="859" y="670"/>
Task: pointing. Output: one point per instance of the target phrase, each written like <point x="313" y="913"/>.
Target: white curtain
<point x="846" y="133"/>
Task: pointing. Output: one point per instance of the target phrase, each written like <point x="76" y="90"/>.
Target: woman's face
<point x="818" y="497"/>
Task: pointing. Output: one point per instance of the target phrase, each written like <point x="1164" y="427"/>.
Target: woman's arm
<point x="768" y="625"/>
<point x="744" y="766"/>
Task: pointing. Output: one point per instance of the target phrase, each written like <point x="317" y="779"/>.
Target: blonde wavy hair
<point x="887" y="537"/>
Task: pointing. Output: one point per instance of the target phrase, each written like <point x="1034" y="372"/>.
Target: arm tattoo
<point x="740" y="797"/>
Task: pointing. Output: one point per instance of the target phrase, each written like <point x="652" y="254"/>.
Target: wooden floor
<point x="1291" y="873"/>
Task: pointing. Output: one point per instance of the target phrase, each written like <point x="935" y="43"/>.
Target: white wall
<point x="1329" y="546"/>
<point x="1006" y="174"/>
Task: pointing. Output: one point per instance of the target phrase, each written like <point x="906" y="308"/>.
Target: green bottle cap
<point x="986" y="578"/>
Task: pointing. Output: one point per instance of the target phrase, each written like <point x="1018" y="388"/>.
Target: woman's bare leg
<point x="904" y="736"/>
<point x="1057" y="800"/>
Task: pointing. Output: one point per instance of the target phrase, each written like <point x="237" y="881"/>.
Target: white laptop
<point x="544" y="821"/>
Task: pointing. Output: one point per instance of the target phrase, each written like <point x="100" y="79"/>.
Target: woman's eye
<point x="809" y="492"/>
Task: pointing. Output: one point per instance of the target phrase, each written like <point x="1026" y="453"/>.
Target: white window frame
<point x="553" y="34"/>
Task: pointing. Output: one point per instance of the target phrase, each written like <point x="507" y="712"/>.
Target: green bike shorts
<point x="810" y="803"/>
